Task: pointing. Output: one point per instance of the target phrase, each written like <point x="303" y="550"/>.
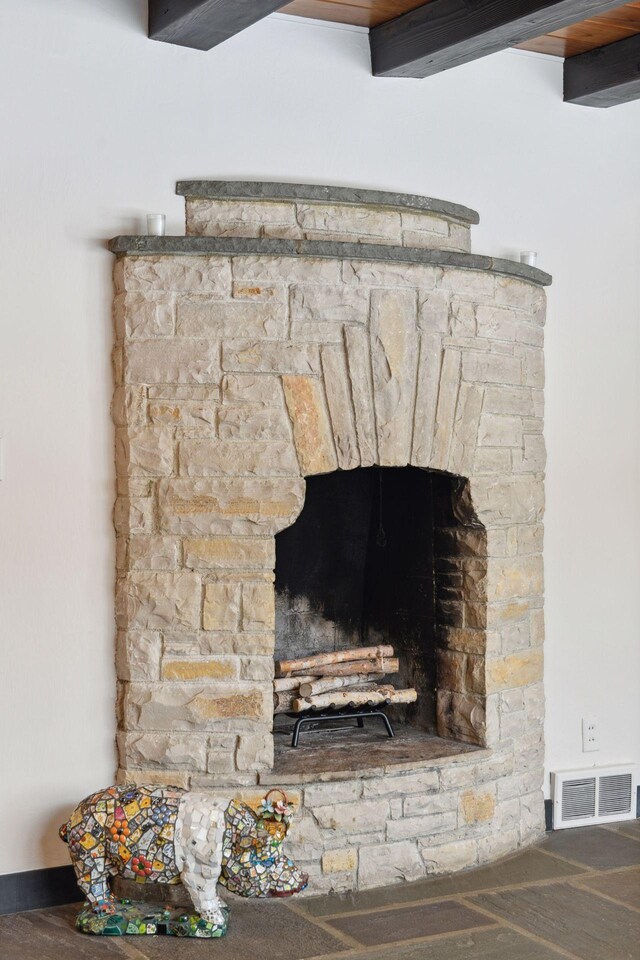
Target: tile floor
<point x="576" y="896"/>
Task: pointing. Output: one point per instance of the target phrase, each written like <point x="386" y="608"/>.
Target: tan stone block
<point x="337" y="861"/>
<point x="462" y="323"/>
<point x="252" y="388"/>
<point x="517" y="293"/>
<point x="268" y="356"/>
<point x="491" y="368"/>
<point x="186" y="706"/>
<point x="511" y="577"/>
<point x="188" y="415"/>
<point x="429" y="373"/>
<point x="507" y="499"/>
<point x="156" y="600"/>
<point x="322" y="303"/>
<point x="248" y="421"/>
<point x="257" y="668"/>
<point x="410" y="828"/>
<point x="164" y="750"/>
<point x="361" y="381"/>
<point x="183" y="274"/>
<point x="291" y="269"/>
<point x="364" y="816"/>
<point x="532" y="359"/>
<point x="387" y="863"/>
<point x="445" y="411"/>
<point x="338" y="395"/>
<point x="516" y="670"/>
<point x="449" y="857"/>
<point x="357" y="222"/>
<point x="533" y="457"/>
<point x="258" y="606"/>
<point x="254" y="751"/>
<point x="231" y="553"/>
<point x="138" y="655"/>
<point x="499" y="431"/>
<point x="200" y="670"/>
<point x="461" y="716"/>
<point x="509" y="401"/>
<point x="425" y="222"/>
<point x="220" y="458"/>
<point x="379" y="273"/>
<point x="179" y="361"/>
<point x="477" y="806"/>
<point x="142" y="315"/>
<point x="146" y="451"/>
<point x="239" y="506"/>
<point x="464" y="640"/>
<point x="311" y="429"/>
<point x="394" y="355"/>
<point x="133" y="515"/>
<point x="244" y="644"/>
<point x="474" y="284"/>
<point x="465" y="429"/>
<point x="221" y="609"/>
<point x="491" y="460"/>
<point x="235" y="218"/>
<point x="496" y="323"/>
<point x="461" y="672"/>
<point x="184" y="391"/>
<point x="153" y="553"/>
<point x="128" y="407"/>
<point x="202" y="317"/>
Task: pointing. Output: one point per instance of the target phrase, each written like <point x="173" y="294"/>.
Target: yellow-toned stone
<point x="199" y="670"/>
<point x="477" y="806"/>
<point x="512" y="577"/>
<point x="311" y="429"/>
<point x="339" y="861"/>
<point x="230" y="552"/>
<point x="517" y="670"/>
<point x="248" y="706"/>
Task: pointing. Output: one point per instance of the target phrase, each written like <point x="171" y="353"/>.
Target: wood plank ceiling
<point x="568" y="42"/>
<point x="598" y="39"/>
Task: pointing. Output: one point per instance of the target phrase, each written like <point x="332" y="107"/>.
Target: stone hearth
<point x="296" y="331"/>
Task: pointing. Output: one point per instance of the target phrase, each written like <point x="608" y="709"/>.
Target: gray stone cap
<point x="322" y="249"/>
<point x="314" y="193"/>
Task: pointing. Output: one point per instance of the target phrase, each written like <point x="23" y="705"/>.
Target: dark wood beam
<point x="203" y="24"/>
<point x="606" y="76"/>
<point x="446" y="33"/>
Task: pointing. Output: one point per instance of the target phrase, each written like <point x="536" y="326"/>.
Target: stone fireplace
<point x="329" y="433"/>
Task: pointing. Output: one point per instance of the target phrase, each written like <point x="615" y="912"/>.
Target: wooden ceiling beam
<point x="447" y="33"/>
<point x="606" y="76"/>
<point x="203" y="24"/>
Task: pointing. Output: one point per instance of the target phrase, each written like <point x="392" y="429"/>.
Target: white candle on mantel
<point x="529" y="257"/>
<point x="156" y="224"/>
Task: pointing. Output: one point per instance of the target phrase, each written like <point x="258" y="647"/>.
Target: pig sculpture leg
<point x="199" y="833"/>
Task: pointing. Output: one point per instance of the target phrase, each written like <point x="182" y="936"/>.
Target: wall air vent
<point x="598" y="795"/>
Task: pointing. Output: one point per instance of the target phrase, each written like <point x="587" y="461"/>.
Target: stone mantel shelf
<point x="315" y="193"/>
<point x="322" y="249"/>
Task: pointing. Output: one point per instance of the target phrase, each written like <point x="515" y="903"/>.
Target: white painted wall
<point x="96" y="125"/>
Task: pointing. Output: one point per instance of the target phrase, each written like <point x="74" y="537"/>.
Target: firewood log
<point x="357" y="667"/>
<point x="283" y="702"/>
<point x="309" y="688"/>
<point x="285" y="668"/>
<point x="343" y="698"/>
<point x="291" y="683"/>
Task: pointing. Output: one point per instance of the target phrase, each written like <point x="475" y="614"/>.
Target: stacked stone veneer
<point x="238" y="374"/>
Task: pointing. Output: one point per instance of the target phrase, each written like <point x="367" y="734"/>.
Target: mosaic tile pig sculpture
<point x="167" y="835"/>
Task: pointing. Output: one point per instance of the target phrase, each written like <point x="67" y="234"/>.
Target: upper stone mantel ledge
<point x="314" y="193"/>
<point x="322" y="249"/>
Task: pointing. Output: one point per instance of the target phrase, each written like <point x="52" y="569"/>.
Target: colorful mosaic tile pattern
<point x="133" y="918"/>
<point x="166" y="835"/>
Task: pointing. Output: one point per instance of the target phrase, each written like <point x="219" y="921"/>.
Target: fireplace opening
<point x="393" y="556"/>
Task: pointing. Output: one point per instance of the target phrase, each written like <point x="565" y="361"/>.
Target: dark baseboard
<point x="34" y="889"/>
<point x="548" y="815"/>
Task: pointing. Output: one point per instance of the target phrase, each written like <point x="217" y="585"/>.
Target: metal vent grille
<point x="595" y="795"/>
<point x="579" y="799"/>
<point x="615" y="794"/>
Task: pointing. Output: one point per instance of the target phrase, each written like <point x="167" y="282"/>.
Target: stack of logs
<point x="339" y="679"/>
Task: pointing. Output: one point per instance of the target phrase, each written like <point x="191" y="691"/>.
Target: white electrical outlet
<point x="590" y="734"/>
